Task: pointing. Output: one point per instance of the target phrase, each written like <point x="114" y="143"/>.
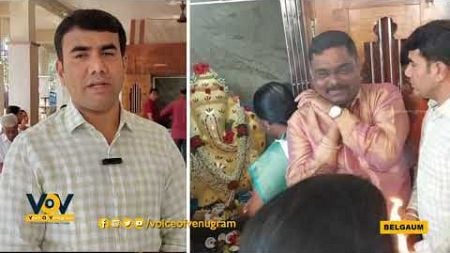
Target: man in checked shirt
<point x="427" y="52"/>
<point x="72" y="153"/>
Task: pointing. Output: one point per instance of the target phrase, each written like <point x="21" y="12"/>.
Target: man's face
<point x="154" y="95"/>
<point x="22" y="116"/>
<point x="11" y="132"/>
<point x="92" y="69"/>
<point x="336" y="75"/>
<point x="419" y="74"/>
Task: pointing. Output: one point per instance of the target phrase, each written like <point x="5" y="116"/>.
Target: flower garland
<point x="224" y="243"/>
<point x="201" y="157"/>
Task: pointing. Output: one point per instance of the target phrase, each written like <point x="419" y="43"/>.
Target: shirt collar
<point x="440" y="110"/>
<point x="125" y="119"/>
<point x="74" y="119"/>
<point x="4" y="138"/>
<point x="355" y="101"/>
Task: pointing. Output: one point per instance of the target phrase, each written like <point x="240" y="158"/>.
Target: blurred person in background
<point x="9" y="132"/>
<point x="23" y="120"/>
<point x="177" y="111"/>
<point x="151" y="110"/>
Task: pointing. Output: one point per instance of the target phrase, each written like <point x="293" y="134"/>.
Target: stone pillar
<point x="23" y="59"/>
<point x="2" y="91"/>
<point x="4" y="33"/>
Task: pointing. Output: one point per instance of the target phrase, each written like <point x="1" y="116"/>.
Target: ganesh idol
<point x="225" y="140"/>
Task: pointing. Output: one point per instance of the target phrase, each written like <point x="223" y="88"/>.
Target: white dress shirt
<point x="432" y="196"/>
<point x="4" y="146"/>
<point x="63" y="155"/>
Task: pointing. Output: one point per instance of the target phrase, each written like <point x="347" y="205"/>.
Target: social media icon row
<point x="127" y="223"/>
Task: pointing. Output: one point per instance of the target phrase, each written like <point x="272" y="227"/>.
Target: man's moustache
<point x="337" y="88"/>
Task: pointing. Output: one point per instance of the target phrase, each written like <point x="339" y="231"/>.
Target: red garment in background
<point x="150" y="107"/>
<point x="177" y="109"/>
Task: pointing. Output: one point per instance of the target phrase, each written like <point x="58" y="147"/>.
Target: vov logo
<point x="49" y="208"/>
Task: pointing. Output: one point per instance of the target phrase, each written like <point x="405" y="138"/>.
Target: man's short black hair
<point x="14" y="109"/>
<point x="331" y="39"/>
<point x="154" y="90"/>
<point x="432" y="40"/>
<point x="91" y="20"/>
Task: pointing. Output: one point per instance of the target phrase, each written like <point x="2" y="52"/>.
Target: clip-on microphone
<point x="108" y="161"/>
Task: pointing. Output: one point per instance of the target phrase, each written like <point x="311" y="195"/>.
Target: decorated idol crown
<point x="206" y="80"/>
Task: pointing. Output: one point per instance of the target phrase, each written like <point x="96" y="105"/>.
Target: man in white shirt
<point x="108" y="166"/>
<point x="9" y="132"/>
<point x="428" y="52"/>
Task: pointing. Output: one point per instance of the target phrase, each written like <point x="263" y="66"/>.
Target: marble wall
<point x="242" y="41"/>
